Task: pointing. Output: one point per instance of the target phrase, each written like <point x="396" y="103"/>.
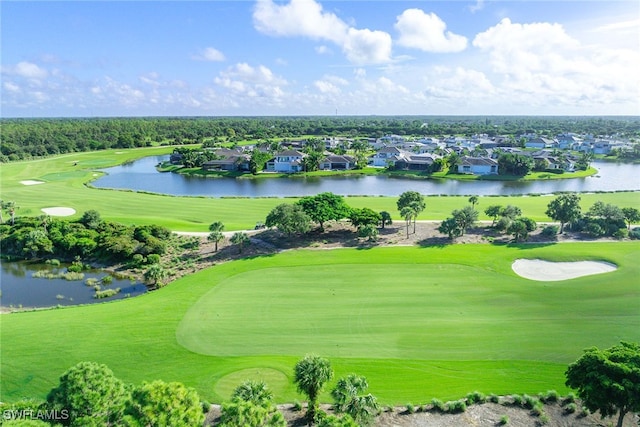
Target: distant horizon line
<point x="318" y="115"/>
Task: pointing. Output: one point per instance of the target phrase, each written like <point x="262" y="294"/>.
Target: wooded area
<point x="29" y="138"/>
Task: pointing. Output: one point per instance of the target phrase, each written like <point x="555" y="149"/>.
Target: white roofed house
<point x="288" y="161"/>
<point x="478" y="166"/>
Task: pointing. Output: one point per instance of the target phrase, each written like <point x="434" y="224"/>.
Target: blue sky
<point x="314" y="57"/>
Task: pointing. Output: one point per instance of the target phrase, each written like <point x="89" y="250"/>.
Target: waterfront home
<point x="384" y="156"/>
<point x="478" y="166"/>
<point x="287" y="161"/>
<point x="228" y="160"/>
<point x="335" y="162"/>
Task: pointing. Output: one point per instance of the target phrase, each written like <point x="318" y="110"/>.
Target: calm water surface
<point x="20" y="288"/>
<point x="141" y="175"/>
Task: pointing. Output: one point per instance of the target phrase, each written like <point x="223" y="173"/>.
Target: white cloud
<point x="11" y="87"/>
<point x="367" y="47"/>
<point x="27" y="70"/>
<point x="298" y="18"/>
<point x="460" y="84"/>
<point x="426" y="32"/>
<point x="209" y="54"/>
<point x="243" y="81"/>
<point x="541" y="62"/>
<point x="476" y="7"/>
<point x="306" y="18"/>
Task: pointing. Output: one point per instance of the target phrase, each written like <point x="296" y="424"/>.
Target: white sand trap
<point x="31" y="182"/>
<point x="546" y="271"/>
<point x="58" y="211"/>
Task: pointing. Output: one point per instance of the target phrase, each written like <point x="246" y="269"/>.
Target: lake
<point x="141" y="175"/>
<point x="20" y="289"/>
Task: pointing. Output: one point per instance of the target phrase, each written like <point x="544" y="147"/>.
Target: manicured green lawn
<point x="65" y="177"/>
<point x="417" y="322"/>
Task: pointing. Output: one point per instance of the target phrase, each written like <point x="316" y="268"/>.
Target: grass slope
<point x="65" y="178"/>
<point x="417" y="322"/>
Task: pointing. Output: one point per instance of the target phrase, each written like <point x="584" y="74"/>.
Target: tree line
<point x="29" y="138"/>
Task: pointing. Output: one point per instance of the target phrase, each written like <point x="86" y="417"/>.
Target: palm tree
<point x="216" y="233"/>
<point x="473" y="200"/>
<point x="239" y="239"/>
<point x="310" y="375"/>
<point x="255" y="392"/>
<point x="407" y="213"/>
<point x="156" y="274"/>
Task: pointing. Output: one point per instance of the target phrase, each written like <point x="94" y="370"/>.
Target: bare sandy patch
<point x="31" y="182"/>
<point x="58" y="211"/>
<point x="547" y="271"/>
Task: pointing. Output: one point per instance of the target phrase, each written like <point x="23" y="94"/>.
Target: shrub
<point x="538" y="409"/>
<point x="585" y="412"/>
<point x="153" y="259"/>
<point x="76" y="267"/>
<point x="504" y="420"/>
<point x="476" y="397"/>
<point x="570" y="408"/>
<point x="543" y="420"/>
<point x="517" y="399"/>
<point x="438" y="405"/>
<point x="550" y="231"/>
<point x="72" y="275"/>
<point x="410" y="408"/>
<point x="456" y="407"/>
<point x="493" y="398"/>
<point x="91" y="281"/>
<point x="621" y="233"/>
<point x="106" y="280"/>
<point x="297" y="406"/>
<point x="570" y="398"/>
<point x="635" y="233"/>
<point x="529" y="402"/>
<point x="54" y="262"/>
<point x="137" y="260"/>
<point x="549" y="396"/>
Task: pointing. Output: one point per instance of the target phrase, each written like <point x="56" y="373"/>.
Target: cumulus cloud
<point x="541" y="60"/>
<point x="298" y="18"/>
<point x="243" y="80"/>
<point x="209" y="54"/>
<point x="306" y="18"/>
<point x="427" y="32"/>
<point x="366" y="46"/>
<point x="27" y="70"/>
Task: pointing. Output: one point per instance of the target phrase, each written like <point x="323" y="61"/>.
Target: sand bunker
<point x="31" y="182"/>
<point x="546" y="271"/>
<point x="58" y="211"/>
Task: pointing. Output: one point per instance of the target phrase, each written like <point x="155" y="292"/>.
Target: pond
<point x="20" y="288"/>
<point x="141" y="175"/>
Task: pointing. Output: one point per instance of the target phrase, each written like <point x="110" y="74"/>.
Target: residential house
<point x="478" y="166"/>
<point x="334" y="162"/>
<point x="287" y="161"/>
<point x="539" y="143"/>
<point x="410" y="161"/>
<point x="384" y="156"/>
<point x="228" y="160"/>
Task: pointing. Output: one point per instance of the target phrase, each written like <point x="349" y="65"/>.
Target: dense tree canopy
<point x="91" y="394"/>
<point x="325" y="207"/>
<point x="608" y="380"/>
<point x="564" y="208"/>
<point x="27" y="138"/>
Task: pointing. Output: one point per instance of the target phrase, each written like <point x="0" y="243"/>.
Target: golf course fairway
<point x="418" y="322"/>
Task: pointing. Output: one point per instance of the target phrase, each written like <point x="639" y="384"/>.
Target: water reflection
<point x="20" y="289"/>
<point x="142" y="176"/>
